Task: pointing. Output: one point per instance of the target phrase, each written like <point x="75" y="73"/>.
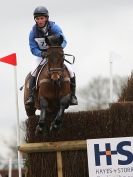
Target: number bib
<point x="41" y="43"/>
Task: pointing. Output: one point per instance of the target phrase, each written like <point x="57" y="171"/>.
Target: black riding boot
<point x="32" y="84"/>
<point x="74" y="100"/>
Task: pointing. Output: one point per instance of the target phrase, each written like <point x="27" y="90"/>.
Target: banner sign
<point x="110" y="157"/>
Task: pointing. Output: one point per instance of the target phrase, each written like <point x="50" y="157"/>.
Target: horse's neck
<point x="58" y="64"/>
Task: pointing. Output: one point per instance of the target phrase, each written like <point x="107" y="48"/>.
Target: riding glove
<point x="44" y="54"/>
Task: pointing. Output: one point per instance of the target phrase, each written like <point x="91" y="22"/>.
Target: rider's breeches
<point x="37" y="62"/>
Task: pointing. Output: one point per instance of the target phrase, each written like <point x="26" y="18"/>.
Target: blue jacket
<point x="37" y="38"/>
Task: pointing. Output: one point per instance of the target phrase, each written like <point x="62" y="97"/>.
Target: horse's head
<point x="55" y="57"/>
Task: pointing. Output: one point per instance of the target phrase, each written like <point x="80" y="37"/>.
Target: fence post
<point x="10" y="168"/>
<point x="59" y="164"/>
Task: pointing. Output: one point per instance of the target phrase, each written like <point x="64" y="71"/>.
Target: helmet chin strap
<point x="45" y="29"/>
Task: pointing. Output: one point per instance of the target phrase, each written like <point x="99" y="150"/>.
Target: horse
<point x="53" y="91"/>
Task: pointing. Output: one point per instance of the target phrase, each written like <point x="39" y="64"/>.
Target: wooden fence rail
<point x="53" y="146"/>
<point x="57" y="147"/>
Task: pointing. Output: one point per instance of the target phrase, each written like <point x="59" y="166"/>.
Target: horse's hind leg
<point x="41" y="124"/>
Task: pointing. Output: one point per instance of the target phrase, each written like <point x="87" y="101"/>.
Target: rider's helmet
<point x="41" y="11"/>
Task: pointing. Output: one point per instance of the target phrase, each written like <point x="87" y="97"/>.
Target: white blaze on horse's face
<point x="41" y="21"/>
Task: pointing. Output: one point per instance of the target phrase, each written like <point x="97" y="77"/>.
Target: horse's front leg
<point x="43" y="107"/>
<point x="57" y="122"/>
<point x="64" y="103"/>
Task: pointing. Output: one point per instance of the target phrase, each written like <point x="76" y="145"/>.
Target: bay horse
<point x="53" y="92"/>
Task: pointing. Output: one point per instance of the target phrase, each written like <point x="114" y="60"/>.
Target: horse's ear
<point x="54" y="40"/>
<point x="47" y="40"/>
<point x="61" y="39"/>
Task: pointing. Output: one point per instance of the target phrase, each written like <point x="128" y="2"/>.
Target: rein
<point x="70" y="56"/>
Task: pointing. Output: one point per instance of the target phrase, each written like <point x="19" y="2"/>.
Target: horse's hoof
<point x="45" y="132"/>
<point x="39" y="130"/>
<point x="51" y="127"/>
<point x="54" y="126"/>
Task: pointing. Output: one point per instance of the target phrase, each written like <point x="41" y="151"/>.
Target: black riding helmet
<point x="41" y="11"/>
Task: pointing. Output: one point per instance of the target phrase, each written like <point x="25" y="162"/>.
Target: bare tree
<point x="96" y="94"/>
<point x="12" y="143"/>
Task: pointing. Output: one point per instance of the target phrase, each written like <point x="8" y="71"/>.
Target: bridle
<point x="52" y="70"/>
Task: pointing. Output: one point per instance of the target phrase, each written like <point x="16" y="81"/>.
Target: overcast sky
<point x="93" y="29"/>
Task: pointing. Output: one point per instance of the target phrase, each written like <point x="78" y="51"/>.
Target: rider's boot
<point x="74" y="100"/>
<point x="32" y="84"/>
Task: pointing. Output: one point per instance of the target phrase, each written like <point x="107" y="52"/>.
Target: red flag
<point x="10" y="59"/>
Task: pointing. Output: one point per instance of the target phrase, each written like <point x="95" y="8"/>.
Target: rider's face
<point x="41" y="21"/>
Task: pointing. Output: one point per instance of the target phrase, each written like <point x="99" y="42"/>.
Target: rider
<point x="40" y="30"/>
